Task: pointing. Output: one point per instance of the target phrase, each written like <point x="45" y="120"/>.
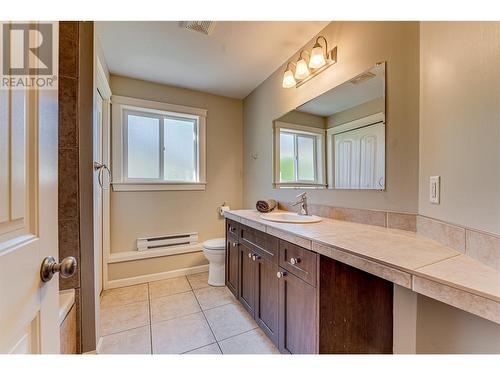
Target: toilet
<point x="215" y="252"/>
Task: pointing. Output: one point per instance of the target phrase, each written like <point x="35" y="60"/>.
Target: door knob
<point x="294" y="260"/>
<point x="280" y="274"/>
<point x="66" y="267"/>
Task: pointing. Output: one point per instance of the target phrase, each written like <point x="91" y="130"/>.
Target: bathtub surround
<point x="149" y="213"/>
<point x="75" y="171"/>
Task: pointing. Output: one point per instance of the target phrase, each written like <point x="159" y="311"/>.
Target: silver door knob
<point x="280" y="274"/>
<point x="67" y="268"/>
<point x="294" y="260"/>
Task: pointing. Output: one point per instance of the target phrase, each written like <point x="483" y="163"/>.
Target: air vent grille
<point x="362" y="77"/>
<point x="204" y="27"/>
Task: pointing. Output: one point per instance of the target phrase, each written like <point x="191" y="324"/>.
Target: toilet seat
<point x="215" y="244"/>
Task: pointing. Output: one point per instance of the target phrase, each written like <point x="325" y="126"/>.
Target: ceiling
<point x="232" y="61"/>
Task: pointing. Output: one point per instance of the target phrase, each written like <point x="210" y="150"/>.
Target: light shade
<point x="288" y="80"/>
<point x="317" y="59"/>
<point x="301" y="71"/>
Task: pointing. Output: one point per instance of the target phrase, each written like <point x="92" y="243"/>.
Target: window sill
<point x="298" y="185"/>
<point x="158" y="186"/>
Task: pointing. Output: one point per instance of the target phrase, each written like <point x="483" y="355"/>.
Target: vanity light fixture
<point x="288" y="78"/>
<point x="301" y="71"/>
<point x="318" y="55"/>
<point x="319" y="59"/>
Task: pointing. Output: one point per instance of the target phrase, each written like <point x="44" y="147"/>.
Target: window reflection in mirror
<point x="336" y="140"/>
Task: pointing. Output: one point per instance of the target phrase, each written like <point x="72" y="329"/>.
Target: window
<point x="157" y="146"/>
<point x="299" y="156"/>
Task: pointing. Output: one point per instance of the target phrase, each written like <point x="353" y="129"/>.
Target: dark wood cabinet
<point x="304" y="302"/>
<point x="267" y="297"/>
<point x="247" y="279"/>
<point x="232" y="255"/>
<point x="355" y="310"/>
<point x="298" y="321"/>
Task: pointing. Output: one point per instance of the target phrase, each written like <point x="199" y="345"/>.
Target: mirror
<point x="336" y="140"/>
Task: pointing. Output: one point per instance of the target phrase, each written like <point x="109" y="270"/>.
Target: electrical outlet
<point x="434" y="188"/>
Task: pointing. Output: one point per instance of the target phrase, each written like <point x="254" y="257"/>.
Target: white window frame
<point x="122" y="106"/>
<point x="319" y="155"/>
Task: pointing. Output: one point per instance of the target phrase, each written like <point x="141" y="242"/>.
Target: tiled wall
<point x="484" y="247"/>
<point x="394" y="220"/>
<point x="75" y="171"/>
<point x="69" y="213"/>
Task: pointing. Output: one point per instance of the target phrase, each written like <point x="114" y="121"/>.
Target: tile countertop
<point x="403" y="257"/>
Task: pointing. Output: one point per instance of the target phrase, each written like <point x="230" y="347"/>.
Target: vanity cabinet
<point x="297" y="315"/>
<point x="304" y="302"/>
<point x="247" y="279"/>
<point x="232" y="255"/>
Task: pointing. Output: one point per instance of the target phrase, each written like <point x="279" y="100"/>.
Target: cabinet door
<point x="266" y="297"/>
<point x="247" y="279"/>
<point x="232" y="255"/>
<point x="297" y="315"/>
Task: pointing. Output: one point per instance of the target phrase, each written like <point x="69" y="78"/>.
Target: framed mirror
<point x="336" y="140"/>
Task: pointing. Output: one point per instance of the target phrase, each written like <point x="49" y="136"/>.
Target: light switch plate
<point x="434" y="189"/>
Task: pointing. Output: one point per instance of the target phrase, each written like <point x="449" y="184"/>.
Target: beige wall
<point x="360" y="46"/>
<point x="460" y="141"/>
<point x="357" y="112"/>
<point x="138" y="214"/>
<point x="304" y="119"/>
<point x="444" y="329"/>
<point x="460" y="122"/>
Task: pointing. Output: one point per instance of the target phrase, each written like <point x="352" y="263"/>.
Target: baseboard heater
<point x="169" y="240"/>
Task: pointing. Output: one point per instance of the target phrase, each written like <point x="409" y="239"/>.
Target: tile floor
<point x="179" y="315"/>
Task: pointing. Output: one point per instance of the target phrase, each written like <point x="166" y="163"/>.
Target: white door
<point x="28" y="220"/>
<point x="99" y="183"/>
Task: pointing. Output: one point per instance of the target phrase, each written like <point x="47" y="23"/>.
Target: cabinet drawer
<point x="299" y="261"/>
<point x="232" y="229"/>
<point x="260" y="242"/>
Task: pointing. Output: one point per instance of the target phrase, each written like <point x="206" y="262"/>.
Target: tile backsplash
<point x="484" y="247"/>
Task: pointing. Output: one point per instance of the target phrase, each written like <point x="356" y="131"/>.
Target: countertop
<point x="403" y="257"/>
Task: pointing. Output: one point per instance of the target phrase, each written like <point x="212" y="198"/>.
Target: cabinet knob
<point x="235" y="244"/>
<point x="255" y="257"/>
<point x="280" y="274"/>
<point x="250" y="255"/>
<point x="294" y="260"/>
<point x="232" y="229"/>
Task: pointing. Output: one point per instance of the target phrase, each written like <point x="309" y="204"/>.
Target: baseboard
<point x="98" y="347"/>
<point x="119" y="283"/>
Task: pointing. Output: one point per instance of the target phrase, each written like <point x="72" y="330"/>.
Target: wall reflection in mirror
<point x="336" y="140"/>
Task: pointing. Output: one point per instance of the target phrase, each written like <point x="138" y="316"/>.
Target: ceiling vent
<point x="362" y="77"/>
<point x="204" y="27"/>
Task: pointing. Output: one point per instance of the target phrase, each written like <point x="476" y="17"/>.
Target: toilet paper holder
<point x="223" y="208"/>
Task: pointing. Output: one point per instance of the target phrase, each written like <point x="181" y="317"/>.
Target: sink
<point x="290" y="217"/>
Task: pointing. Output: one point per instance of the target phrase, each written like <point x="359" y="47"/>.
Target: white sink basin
<point x="290" y="217"/>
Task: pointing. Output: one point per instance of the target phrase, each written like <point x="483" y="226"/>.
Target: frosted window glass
<point x="287" y="157"/>
<point x="143" y="147"/>
<point x="180" y="150"/>
<point x="305" y="157"/>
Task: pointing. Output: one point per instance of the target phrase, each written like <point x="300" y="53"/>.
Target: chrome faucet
<point x="303" y="204"/>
